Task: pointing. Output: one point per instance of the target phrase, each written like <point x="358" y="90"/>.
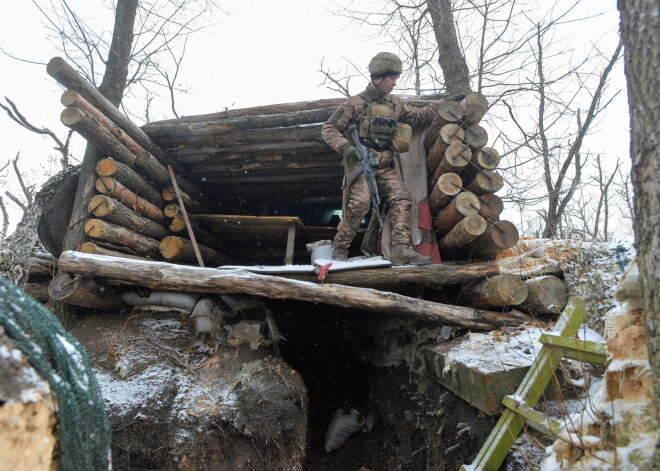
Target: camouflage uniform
<point x="390" y="185"/>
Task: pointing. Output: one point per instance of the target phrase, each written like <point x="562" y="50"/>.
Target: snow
<point x="491" y="352"/>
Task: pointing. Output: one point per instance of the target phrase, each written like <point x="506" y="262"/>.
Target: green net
<point x="84" y="433"/>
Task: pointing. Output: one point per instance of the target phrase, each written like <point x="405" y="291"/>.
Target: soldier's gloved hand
<point x="457" y="97"/>
<point x="351" y="154"/>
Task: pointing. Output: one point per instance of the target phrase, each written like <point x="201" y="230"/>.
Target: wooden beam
<point x="165" y="276"/>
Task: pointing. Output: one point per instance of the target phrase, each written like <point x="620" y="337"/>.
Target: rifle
<point x="367" y="165"/>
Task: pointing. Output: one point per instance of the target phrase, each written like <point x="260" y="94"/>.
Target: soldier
<point x="377" y="115"/>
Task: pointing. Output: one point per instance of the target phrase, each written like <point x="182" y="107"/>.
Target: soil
<point x="268" y="412"/>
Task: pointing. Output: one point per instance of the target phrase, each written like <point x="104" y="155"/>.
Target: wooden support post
<point x="290" y="243"/>
<point x="191" y="234"/>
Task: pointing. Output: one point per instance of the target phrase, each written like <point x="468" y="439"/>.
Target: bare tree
<point x="640" y="26"/>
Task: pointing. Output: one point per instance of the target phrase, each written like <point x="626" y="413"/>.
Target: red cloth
<point x="429" y="245"/>
<point x="323" y="271"/>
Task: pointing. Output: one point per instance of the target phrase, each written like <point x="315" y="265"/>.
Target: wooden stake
<point x="185" y="216"/>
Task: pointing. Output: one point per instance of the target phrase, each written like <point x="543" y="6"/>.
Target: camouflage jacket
<point x="334" y="130"/>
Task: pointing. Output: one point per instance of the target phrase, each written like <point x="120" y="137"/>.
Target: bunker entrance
<point x="412" y="421"/>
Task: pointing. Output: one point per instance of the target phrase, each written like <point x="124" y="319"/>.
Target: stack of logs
<point x="463" y="182"/>
<point x="134" y="211"/>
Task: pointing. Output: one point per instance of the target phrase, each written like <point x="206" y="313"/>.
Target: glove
<point x="457" y="97"/>
<point x="351" y="154"/>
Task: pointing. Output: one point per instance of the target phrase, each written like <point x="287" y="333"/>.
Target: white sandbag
<point x="342" y="425"/>
<point x="162" y="298"/>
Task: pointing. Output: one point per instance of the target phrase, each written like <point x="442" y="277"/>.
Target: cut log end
<point x="488" y="158"/>
<point x="71" y="116"/>
<point x="451" y="110"/>
<point x="452" y="134"/>
<point x="171" y="247"/>
<point x="100" y="205"/>
<point x="106" y="167"/>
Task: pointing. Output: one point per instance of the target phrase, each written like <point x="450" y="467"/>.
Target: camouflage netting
<point x="84" y="431"/>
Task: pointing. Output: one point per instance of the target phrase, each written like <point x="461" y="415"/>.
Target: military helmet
<point x="385" y="63"/>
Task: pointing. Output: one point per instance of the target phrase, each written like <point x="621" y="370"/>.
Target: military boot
<point x="340" y="254"/>
<point x="403" y="254"/>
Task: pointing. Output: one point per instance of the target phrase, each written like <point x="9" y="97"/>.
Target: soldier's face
<point x="386" y="84"/>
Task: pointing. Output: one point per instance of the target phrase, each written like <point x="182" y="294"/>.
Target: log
<point x="220" y="126"/>
<point x="85" y="292"/>
<point x="171" y="210"/>
<point x="464" y="204"/>
<point x="164" y="276"/>
<point x="112" y="211"/>
<point x="485" y="181"/>
<point x="178" y="226"/>
<point x="89" y="128"/>
<point x="178" y="249"/>
<point x="499" y="236"/>
<point x="490" y="206"/>
<point x="475" y="106"/>
<point x="110" y="186"/>
<point x="456" y="159"/>
<point x="444" y="190"/>
<point x="547" y="295"/>
<point x="191" y="204"/>
<point x="485" y="158"/>
<point x="70" y="78"/>
<point x="428" y="276"/>
<point x="452" y="134"/>
<point x="451" y="111"/>
<point x="433" y="132"/>
<point x="42" y="264"/>
<point x="118" y="235"/>
<point x="467" y="230"/>
<point x="130" y="179"/>
<point x="159" y="174"/>
<point x="37" y="290"/>
<point x="435" y="154"/>
<point x="92" y="248"/>
<point x="497" y="291"/>
<point x="476" y="136"/>
<point x="72" y="98"/>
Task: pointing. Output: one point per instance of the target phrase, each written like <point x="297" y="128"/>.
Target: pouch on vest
<point x="377" y="127"/>
<point x="402" y="138"/>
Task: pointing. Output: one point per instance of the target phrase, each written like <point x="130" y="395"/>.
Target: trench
<point x="414" y="417"/>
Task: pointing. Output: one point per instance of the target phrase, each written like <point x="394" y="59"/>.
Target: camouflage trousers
<point x="357" y="201"/>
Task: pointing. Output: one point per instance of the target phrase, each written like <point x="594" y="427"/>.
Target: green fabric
<point x="84" y="435"/>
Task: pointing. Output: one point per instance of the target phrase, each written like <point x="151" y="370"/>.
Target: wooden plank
<point x="510" y="424"/>
<point x="539" y="421"/>
<point x="580" y="350"/>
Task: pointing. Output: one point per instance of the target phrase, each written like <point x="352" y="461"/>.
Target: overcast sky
<point x="259" y="53"/>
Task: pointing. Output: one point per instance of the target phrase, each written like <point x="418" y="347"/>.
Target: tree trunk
<point x="475" y="106"/>
<point x="486" y="181"/>
<point x="450" y="57"/>
<point x="640" y="24"/>
<point x="490" y="206"/>
<point x="499" y="236"/>
<point x="164" y="276"/>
